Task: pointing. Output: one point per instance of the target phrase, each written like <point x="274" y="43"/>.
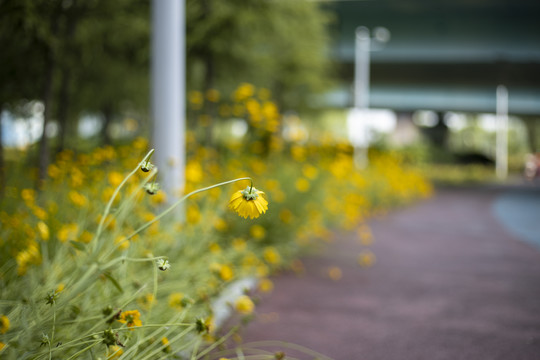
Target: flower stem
<point x="165" y="212"/>
<point x="116" y="191"/>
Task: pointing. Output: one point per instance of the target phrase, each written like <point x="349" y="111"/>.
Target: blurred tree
<point x="50" y="46"/>
<point x="279" y="44"/>
<point x="92" y="56"/>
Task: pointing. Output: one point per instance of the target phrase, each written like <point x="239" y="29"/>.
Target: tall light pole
<point x="361" y="67"/>
<point x="168" y="94"/>
<point x="501" y="151"/>
<point x="356" y="118"/>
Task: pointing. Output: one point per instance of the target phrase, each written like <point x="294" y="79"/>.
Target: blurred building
<point x="444" y="55"/>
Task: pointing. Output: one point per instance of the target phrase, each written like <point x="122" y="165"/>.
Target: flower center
<point x="250" y="193"/>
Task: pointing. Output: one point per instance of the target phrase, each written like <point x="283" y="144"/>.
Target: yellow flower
<point x="271" y="255"/>
<point x="115" y="352"/>
<point x="175" y="301"/>
<point x="115" y="178"/>
<point x="248" y="202"/>
<point x="43" y="230"/>
<point x="131" y="318"/>
<point x="212" y="95"/>
<point x="266" y="285"/>
<point x="366" y="258"/>
<point x="302" y="185"/>
<point x="2" y="346"/>
<point x="239" y="244"/>
<point x="4" y="324"/>
<point x="165" y="342"/>
<point x="226" y="272"/>
<point x="244" y="305"/>
<point x="68" y="232"/>
<point x="257" y="231"/>
<point x="77" y="198"/>
<point x="335" y="273"/>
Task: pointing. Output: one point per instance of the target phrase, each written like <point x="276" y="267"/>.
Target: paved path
<point x="450" y="282"/>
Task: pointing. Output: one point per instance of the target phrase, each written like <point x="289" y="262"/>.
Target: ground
<point x="453" y="280"/>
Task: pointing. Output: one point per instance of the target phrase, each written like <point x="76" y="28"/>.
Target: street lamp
<point x="364" y="44"/>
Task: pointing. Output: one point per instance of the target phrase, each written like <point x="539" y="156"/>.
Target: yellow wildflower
<point x="335" y="273"/>
<point x="130" y="318"/>
<point x="77" y="198"/>
<point x="28" y="195"/>
<point x="4" y="324"/>
<point x="302" y="185"/>
<point x="2" y="346"/>
<point x="165" y="342"/>
<point x="248" y="202"/>
<point x="212" y="95"/>
<point x="67" y="232"/>
<point x="43" y="230"/>
<point x="257" y="231"/>
<point x="115" y="352"/>
<point x="366" y="258"/>
<point x="244" y="305"/>
<point x="115" y="178"/>
<point x="176" y="301"/>
<point x="271" y="255"/>
<point x="239" y="244"/>
<point x="226" y="272"/>
<point x="266" y="285"/>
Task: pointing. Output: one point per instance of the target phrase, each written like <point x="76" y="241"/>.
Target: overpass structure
<point x="444" y="55"/>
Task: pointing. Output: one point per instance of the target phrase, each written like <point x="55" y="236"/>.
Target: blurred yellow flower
<point x="175" y="301"/>
<point x="220" y="224"/>
<point x="77" y="198"/>
<point x="257" y="231"/>
<point x="285" y="216"/>
<point x="193" y="215"/>
<point x="271" y="255"/>
<point x="226" y="272"/>
<point x="302" y="185"/>
<point x="86" y="237"/>
<point x="212" y="95"/>
<point x="131" y="318"/>
<point x="335" y="273"/>
<point x="4" y="324"/>
<point x="2" y="346"/>
<point x="28" y="195"/>
<point x="165" y="343"/>
<point x="67" y="232"/>
<point x="115" y="178"/>
<point x="214" y="248"/>
<point x="244" y="305"/>
<point x="239" y="244"/>
<point x="366" y="258"/>
<point x="114" y="352"/>
<point x="146" y="301"/>
<point x="248" y="202"/>
<point x="43" y="230"/>
<point x="266" y="285"/>
<point x="196" y="99"/>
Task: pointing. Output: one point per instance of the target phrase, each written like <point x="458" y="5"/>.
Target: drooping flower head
<point x="130" y="318"/>
<point x="249" y="202"/>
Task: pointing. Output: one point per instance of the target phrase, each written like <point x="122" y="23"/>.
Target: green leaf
<point x="113" y="280"/>
<point x="77" y="245"/>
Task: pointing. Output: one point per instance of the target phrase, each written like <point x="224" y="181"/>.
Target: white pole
<point x="361" y="68"/>
<point x="168" y="94"/>
<point x="361" y="88"/>
<point x="501" y="154"/>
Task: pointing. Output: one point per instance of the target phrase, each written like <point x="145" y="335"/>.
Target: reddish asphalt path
<point x="450" y="282"/>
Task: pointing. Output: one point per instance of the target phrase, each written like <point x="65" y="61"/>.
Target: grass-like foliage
<point x="99" y="264"/>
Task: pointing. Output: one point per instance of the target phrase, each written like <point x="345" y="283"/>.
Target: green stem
<point x="53" y="327"/>
<point x="83" y="350"/>
<point x="116" y="191"/>
<point x="122" y="258"/>
<point x="165" y="212"/>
